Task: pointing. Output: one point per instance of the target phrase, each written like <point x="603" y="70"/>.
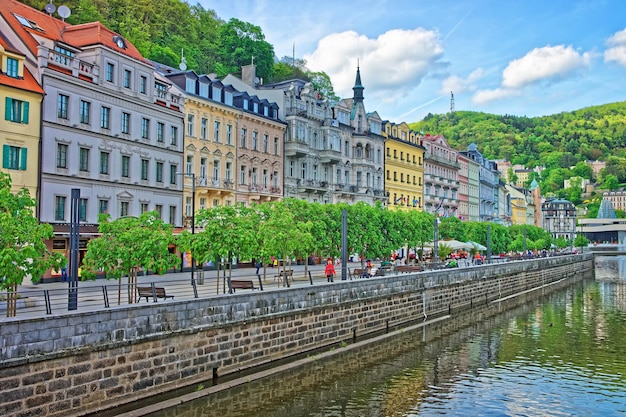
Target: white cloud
<point x="544" y="64"/>
<point x="617" y="50"/>
<point x="486" y="96"/>
<point x="457" y="84"/>
<point x="393" y="63"/>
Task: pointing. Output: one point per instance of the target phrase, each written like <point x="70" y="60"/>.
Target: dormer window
<point x="28" y="23"/>
<point x="119" y="41"/>
<point x="12" y="68"/>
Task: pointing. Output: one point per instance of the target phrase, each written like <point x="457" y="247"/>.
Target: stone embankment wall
<point x="75" y="364"/>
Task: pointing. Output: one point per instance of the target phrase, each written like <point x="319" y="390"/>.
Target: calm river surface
<point x="562" y="354"/>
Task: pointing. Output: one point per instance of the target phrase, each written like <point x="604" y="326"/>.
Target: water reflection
<point x="557" y="355"/>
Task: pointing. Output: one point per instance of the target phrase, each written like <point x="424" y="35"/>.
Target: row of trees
<point x="287" y="229"/>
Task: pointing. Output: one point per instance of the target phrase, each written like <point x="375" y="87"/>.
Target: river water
<point x="559" y="354"/>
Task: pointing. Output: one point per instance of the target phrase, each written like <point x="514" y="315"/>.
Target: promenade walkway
<point x="46" y="299"/>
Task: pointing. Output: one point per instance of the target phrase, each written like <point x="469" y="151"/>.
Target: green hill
<point x="556" y="141"/>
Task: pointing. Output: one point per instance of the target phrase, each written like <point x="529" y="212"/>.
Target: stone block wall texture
<point x="71" y="365"/>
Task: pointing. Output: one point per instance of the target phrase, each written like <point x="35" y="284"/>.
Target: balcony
<point x="330" y="156"/>
<point x="296" y="149"/>
<point x="68" y="64"/>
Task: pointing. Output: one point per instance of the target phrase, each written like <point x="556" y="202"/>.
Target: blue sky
<point x="525" y="58"/>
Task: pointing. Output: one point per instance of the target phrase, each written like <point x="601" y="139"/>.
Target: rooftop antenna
<point x="50" y="8"/>
<point x="451" y="102"/>
<point x="64" y="12"/>
<point x="183" y="61"/>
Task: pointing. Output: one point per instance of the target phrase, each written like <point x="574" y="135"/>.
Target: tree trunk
<point x="12" y="301"/>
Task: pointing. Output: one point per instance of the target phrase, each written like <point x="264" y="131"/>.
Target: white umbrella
<point x="477" y="245"/>
<point x="455" y="244"/>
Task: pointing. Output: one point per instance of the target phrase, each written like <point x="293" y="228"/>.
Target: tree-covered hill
<point x="166" y="30"/>
<point x="557" y="141"/>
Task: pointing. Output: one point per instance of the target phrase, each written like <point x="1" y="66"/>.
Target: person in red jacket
<point x="330" y="271"/>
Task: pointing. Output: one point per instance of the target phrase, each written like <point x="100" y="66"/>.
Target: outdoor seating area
<point x="146" y="292"/>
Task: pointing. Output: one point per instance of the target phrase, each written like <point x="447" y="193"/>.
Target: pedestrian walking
<point x="330" y="271"/>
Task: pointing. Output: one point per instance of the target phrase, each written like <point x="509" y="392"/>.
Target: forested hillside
<point x="559" y="140"/>
<point x="166" y="30"/>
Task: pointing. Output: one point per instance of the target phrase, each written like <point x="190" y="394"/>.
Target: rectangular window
<point x="85" y="111"/>
<point x="159" y="209"/>
<point x="145" y="166"/>
<point x="229" y="134"/>
<point x="59" y="208"/>
<point x="62" y="103"/>
<point x="275" y="146"/>
<point x="16" y="110"/>
<point x="14" y="157"/>
<point x="161" y="90"/>
<point x="188" y="206"/>
<point x="83" y="162"/>
<point x="229" y="171"/>
<point x="243" y="138"/>
<point x="127" y="77"/>
<point x="216" y="131"/>
<point x="124" y="206"/>
<point x="104" y="163"/>
<point x="216" y="170"/>
<point x="173" y="171"/>
<point x="103" y="206"/>
<point x="144" y="207"/>
<point x="160" y="132"/>
<point x="242" y="175"/>
<point x="143" y="84"/>
<point x="265" y="143"/>
<point x="82" y="209"/>
<point x="255" y="139"/>
<point x="172" y="214"/>
<point x="174" y="135"/>
<point x="105" y="118"/>
<point x="145" y="128"/>
<point x="203" y="128"/>
<point x="110" y="71"/>
<point x="189" y="169"/>
<point x="61" y="155"/>
<point x="125" y="166"/>
<point x="126" y="123"/>
<point x="190" y="128"/>
<point x="159" y="172"/>
<point x="12" y="67"/>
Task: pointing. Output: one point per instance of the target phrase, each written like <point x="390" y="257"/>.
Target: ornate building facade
<point x="441" y="176"/>
<point x="404" y="167"/>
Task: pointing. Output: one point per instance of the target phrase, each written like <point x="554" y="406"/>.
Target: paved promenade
<point x="51" y="298"/>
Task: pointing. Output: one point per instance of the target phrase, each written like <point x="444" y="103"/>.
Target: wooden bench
<point x="359" y="273"/>
<point x="242" y="284"/>
<point x="408" y="268"/>
<point x="146" y="292"/>
<point x="282" y="274"/>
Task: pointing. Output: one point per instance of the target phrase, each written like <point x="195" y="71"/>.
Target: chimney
<point x="248" y="75"/>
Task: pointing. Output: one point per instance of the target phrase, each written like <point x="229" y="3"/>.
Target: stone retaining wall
<point x="71" y="365"/>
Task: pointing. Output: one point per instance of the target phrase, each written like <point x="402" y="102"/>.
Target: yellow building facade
<point x="20" y="130"/>
<point x="404" y="167"/>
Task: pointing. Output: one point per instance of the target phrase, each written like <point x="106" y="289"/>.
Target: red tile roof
<point x="50" y="27"/>
<point x="28" y="82"/>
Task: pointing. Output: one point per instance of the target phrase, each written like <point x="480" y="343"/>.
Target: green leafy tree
<point x="283" y="235"/>
<point x="581" y="241"/>
<point x="611" y="182"/>
<point x="126" y="246"/>
<point x="452" y="228"/>
<point x="322" y="83"/>
<point x="239" y="42"/>
<point x="23" y="252"/>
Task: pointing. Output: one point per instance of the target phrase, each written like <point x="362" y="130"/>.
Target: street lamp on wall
<point x="193" y="214"/>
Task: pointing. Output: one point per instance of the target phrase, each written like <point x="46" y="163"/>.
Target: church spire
<point x="358" y="87"/>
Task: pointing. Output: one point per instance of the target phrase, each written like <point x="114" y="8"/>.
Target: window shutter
<point x="8" y="102"/>
<point x="6" y="152"/>
<point x="25" y="112"/>
<point x="23" y="156"/>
